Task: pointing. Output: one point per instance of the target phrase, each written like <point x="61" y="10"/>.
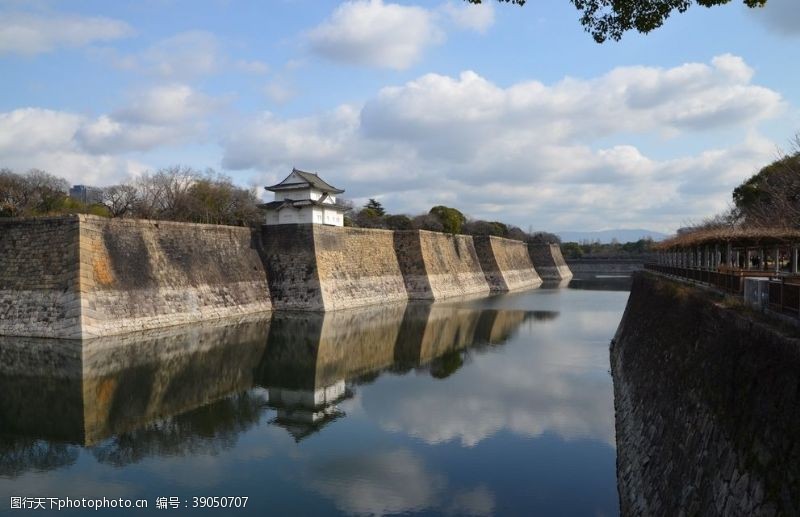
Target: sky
<point x="508" y="113"/>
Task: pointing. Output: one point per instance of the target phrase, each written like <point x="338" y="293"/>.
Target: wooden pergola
<point x="727" y="258"/>
<point x="771" y="251"/>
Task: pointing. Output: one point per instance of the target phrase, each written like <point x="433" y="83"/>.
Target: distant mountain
<point x="606" y="236"/>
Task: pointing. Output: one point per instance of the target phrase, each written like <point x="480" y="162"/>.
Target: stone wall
<point x="289" y="255"/>
<point x="506" y="263"/>
<point x="707" y="406"/>
<point x="439" y="265"/>
<point x="138" y="274"/>
<point x="85" y="276"/>
<point x="357" y="267"/>
<point x="315" y="267"/>
<point x="39" y="267"/>
<point x="588" y="268"/>
<point x="548" y="262"/>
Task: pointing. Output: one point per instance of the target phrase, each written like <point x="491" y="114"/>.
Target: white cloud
<point x="163" y="115"/>
<point x="30" y="34"/>
<point x="476" y="17"/>
<point x="372" y="33"/>
<point x="184" y="56"/>
<point x="552" y="156"/>
<point x="168" y="103"/>
<point x="279" y="91"/>
<point x="252" y="67"/>
<point x="46" y="139"/>
<point x="90" y="150"/>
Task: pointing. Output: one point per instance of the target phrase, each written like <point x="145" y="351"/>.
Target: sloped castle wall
<point x="39" y="271"/>
<point x="706" y="402"/>
<point x="439" y="265"/>
<point x="506" y="263"/>
<point x="548" y="262"/>
<point x="85" y="276"/>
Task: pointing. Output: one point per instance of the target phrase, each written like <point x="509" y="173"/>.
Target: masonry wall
<point x="85" y="276"/>
<point x="707" y="406"/>
<point x="506" y="263"/>
<point x="289" y="256"/>
<point x="548" y="262"/>
<point x="138" y="274"/>
<point x="439" y="265"/>
<point x="39" y="267"/>
<point x="357" y="267"/>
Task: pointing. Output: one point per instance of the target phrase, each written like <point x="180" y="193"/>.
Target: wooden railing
<point x="784" y="292"/>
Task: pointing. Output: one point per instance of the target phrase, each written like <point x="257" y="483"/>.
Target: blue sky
<point x="507" y="113"/>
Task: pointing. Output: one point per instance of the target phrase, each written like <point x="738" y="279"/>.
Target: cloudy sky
<point x="507" y="113"/>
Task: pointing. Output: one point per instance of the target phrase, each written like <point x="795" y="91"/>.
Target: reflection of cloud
<point x="378" y="483"/>
<point x="479" y="501"/>
<point x="397" y="481"/>
<point x="550" y="378"/>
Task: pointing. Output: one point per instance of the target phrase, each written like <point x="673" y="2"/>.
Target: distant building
<point x="304" y="197"/>
<point x="86" y="195"/>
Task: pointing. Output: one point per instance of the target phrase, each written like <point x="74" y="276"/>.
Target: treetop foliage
<point x="610" y="19"/>
<point x="174" y="193"/>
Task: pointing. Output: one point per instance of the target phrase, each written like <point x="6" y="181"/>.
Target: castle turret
<point x="304" y="197"/>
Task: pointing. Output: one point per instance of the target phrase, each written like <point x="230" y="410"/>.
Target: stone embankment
<point x="315" y="267"/>
<point x="548" y="262"/>
<point x="707" y="406"/>
<point x="591" y="267"/>
<point x="85" y="276"/>
<point x="506" y="263"/>
<point x="439" y="265"/>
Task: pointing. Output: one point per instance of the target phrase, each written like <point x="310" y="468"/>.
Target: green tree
<point x="398" y="222"/>
<point x="452" y="220"/>
<point x="610" y="19"/>
<point x="376" y="207"/>
<point x="772" y="196"/>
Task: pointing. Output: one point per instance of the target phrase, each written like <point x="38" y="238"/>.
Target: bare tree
<point x="120" y="200"/>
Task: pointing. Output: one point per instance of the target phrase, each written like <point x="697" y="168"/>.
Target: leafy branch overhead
<point x="605" y="19"/>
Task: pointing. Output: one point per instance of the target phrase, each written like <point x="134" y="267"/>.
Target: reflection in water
<point x="23" y="454"/>
<point x="600" y="283"/>
<point x="311" y="357"/>
<point x="185" y="389"/>
<point x="345" y="412"/>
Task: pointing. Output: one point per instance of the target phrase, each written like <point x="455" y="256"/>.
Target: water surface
<point x="502" y="405"/>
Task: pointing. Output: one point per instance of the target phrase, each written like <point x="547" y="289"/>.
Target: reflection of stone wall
<point x="39" y="277"/>
<point x="85" y="391"/>
<point x="438" y="265"/>
<point x="505" y="263"/>
<point x="548" y="261"/>
<point x="314" y="350"/>
<point x="706" y="405"/>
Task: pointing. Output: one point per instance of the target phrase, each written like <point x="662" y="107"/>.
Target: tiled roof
<point x="310" y="178"/>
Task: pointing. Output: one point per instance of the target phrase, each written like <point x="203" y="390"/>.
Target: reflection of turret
<point x="310" y="355"/>
<point x="83" y="392"/>
<point x="313" y="360"/>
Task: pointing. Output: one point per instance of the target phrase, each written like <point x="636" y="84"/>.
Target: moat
<point x="498" y="405"/>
